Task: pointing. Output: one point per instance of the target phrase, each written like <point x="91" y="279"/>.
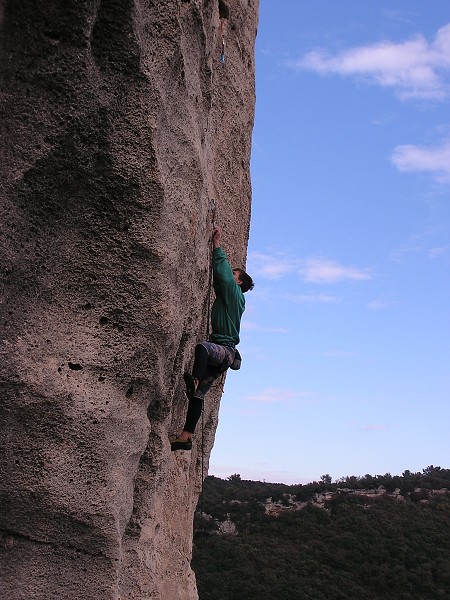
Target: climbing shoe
<point x="181" y="444"/>
<point x="190" y="385"/>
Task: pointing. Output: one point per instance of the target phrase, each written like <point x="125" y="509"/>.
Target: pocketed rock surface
<point x="119" y="125"/>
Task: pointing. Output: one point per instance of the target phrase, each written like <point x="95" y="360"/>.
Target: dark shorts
<point x="218" y="355"/>
<point x="219" y="359"/>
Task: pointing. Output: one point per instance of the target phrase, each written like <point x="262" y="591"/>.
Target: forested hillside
<point x="371" y="537"/>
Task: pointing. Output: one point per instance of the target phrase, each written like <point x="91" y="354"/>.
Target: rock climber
<point x="214" y="357"/>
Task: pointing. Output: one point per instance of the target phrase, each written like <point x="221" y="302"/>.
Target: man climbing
<point x="214" y="357"/>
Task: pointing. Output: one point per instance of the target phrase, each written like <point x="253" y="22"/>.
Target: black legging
<point x="200" y="362"/>
<point x="200" y="369"/>
<point x="193" y="414"/>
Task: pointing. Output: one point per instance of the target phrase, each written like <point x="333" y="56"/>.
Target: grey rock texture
<point x="119" y="124"/>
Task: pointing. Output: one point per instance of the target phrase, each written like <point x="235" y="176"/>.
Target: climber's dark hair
<point x="245" y="279"/>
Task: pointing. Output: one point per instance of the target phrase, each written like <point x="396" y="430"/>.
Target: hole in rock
<point x="75" y="366"/>
<point x="53" y="35"/>
<point x="224" y="11"/>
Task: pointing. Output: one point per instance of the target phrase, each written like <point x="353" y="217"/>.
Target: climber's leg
<point x="211" y="360"/>
<point x="198" y="371"/>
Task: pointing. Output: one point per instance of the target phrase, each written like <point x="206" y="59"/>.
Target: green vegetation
<point x="356" y="547"/>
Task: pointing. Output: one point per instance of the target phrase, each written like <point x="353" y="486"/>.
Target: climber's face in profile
<point x="237" y="275"/>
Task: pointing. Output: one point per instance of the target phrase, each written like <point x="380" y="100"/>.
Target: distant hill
<point x="377" y="537"/>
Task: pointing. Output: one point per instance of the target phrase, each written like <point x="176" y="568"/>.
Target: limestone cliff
<point x="120" y="123"/>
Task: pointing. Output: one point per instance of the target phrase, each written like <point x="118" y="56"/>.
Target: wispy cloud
<point x="373" y="427"/>
<point x="249" y="326"/>
<point x="323" y="270"/>
<point x="398" y="16"/>
<point x="278" y="396"/>
<point x="422" y="244"/>
<point x="439" y="251"/>
<point x="381" y="304"/>
<point x="414" y="68"/>
<point x="312" y="298"/>
<point x="257" y="472"/>
<point x="436" y="160"/>
<point x="314" y="269"/>
<point x="338" y="354"/>
<point x="402" y="253"/>
<point x="358" y="425"/>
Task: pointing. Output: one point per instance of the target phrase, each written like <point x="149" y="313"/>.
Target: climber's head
<point x="243" y="279"/>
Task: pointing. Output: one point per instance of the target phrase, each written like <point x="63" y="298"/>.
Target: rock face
<point x="121" y="124"/>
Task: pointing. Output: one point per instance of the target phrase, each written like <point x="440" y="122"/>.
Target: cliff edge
<point x="121" y="121"/>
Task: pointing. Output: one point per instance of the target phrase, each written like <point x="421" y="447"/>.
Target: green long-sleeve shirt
<point x="229" y="303"/>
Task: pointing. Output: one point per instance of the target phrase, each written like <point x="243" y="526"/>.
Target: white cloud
<point x="413" y="69"/>
<point x="324" y="270"/>
<point x="416" y="158"/>
<point x="315" y="269"/>
<point x="272" y="267"/>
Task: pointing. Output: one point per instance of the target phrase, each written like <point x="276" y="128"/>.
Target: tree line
<point x="357" y="548"/>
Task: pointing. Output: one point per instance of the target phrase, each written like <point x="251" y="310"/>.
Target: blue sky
<point x="345" y="339"/>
